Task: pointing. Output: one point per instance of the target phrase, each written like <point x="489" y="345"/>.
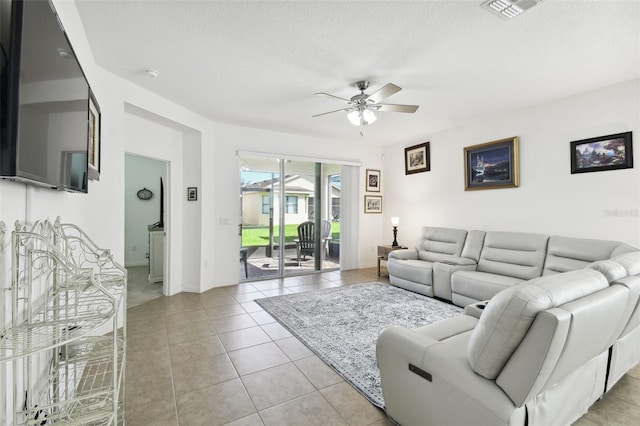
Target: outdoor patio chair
<point x="305" y="244"/>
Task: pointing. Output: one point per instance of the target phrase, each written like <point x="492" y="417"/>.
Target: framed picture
<point x="417" y="159"/>
<point x="372" y="204"/>
<point x="492" y="165"/>
<point x="192" y="193"/>
<point x="94" y="138"/>
<point x="610" y="152"/>
<point x="373" y="180"/>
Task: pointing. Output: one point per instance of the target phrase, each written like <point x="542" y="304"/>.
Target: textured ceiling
<point x="259" y="63"/>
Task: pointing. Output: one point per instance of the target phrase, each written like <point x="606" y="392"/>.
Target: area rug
<point x="341" y="325"/>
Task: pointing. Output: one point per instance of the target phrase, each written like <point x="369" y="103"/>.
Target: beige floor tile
<point x="215" y="312"/>
<point x="588" y="419"/>
<point x="276" y="331"/>
<point x="244" y="338"/>
<point x="218" y="300"/>
<point x="252" y="420"/>
<point x="616" y="411"/>
<point x="276" y="292"/>
<point x="268" y="285"/>
<point x="237" y="322"/>
<point x="190" y="332"/>
<point x="257" y="358"/>
<point x="202" y="372"/>
<point x="214" y="405"/>
<point x="385" y="422"/>
<point x="156" y="413"/>
<point x="262" y="317"/>
<point x="276" y="385"/>
<point x="205" y="346"/>
<point x="319" y="373"/>
<point x="248" y="297"/>
<point x="148" y="388"/>
<point x="144" y="342"/>
<point x="627" y="389"/>
<point x="308" y="410"/>
<point x="185" y="318"/>
<point x="351" y="405"/>
<point x="251" y="307"/>
<point x="294" y="349"/>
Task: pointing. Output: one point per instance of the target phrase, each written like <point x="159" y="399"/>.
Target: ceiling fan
<point x="362" y="106"/>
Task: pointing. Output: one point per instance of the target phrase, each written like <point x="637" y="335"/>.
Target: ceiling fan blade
<point x="396" y="107"/>
<point x="384" y="92"/>
<point x="331" y="112"/>
<point x="333" y="96"/>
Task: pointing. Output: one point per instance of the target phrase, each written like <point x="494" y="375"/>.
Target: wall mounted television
<point x="45" y="100"/>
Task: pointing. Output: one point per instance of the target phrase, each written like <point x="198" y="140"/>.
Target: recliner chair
<point x="537" y="354"/>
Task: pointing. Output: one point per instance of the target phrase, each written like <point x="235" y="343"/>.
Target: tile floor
<point x="217" y="358"/>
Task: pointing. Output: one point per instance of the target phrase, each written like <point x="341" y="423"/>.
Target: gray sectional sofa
<point x="562" y="326"/>
<point x="471" y="266"/>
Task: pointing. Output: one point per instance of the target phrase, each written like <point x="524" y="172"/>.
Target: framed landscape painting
<point x="417" y="159"/>
<point x="609" y="152"/>
<point x="372" y="204"/>
<point x="373" y="180"/>
<point x="492" y="165"/>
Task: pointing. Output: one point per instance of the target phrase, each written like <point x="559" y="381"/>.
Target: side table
<point x="383" y="253"/>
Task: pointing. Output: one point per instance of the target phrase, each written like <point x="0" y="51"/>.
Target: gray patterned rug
<point x="341" y="325"/>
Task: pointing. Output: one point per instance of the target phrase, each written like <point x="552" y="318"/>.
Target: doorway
<point x="290" y="217"/>
<point x="145" y="227"/>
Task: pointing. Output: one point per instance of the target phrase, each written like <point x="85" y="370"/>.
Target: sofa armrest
<point x="443" y="389"/>
<point x="404" y="254"/>
<point x="457" y="261"/>
<point x="475" y="309"/>
<point x="442" y="271"/>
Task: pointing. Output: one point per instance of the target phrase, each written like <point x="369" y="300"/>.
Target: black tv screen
<point x="45" y="133"/>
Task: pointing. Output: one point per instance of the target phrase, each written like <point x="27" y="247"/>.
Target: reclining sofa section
<point x="465" y="267"/>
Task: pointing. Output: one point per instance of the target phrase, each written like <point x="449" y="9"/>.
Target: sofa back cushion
<point x="508" y="316"/>
<point x="567" y="253"/>
<point x="515" y="254"/>
<point x="436" y="243"/>
<point x="473" y="245"/>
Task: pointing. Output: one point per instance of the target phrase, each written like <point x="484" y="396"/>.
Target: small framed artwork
<point x="417" y="159"/>
<point x="94" y="138"/>
<point x="373" y="204"/>
<point x="373" y="180"/>
<point x="609" y="152"/>
<point x="192" y="193"/>
<point x="492" y="165"/>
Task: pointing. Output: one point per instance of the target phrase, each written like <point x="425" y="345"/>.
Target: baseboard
<point x="143" y="263"/>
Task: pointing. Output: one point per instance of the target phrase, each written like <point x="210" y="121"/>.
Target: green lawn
<point x="259" y="235"/>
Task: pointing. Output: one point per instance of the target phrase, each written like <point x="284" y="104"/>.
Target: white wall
<point x="140" y="172"/>
<point x="550" y="199"/>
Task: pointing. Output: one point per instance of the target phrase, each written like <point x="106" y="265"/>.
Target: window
<point x="291" y="204"/>
<point x="265" y="204"/>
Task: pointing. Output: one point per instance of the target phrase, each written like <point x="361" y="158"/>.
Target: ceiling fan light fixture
<point x="361" y="117"/>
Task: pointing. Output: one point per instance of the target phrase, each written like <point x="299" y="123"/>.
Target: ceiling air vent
<point x="508" y="9"/>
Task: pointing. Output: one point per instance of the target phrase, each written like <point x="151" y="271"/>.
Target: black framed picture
<point x="492" y="165"/>
<point x="611" y="152"/>
<point x="192" y="193"/>
<point x="417" y="159"/>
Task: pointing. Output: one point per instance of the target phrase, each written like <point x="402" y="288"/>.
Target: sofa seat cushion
<point x="630" y="262"/>
<point x="417" y="271"/>
<point x="480" y="285"/>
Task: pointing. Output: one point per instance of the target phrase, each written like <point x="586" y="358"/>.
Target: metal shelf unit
<point x="66" y="338"/>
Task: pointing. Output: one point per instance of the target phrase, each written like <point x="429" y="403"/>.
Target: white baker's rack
<point x="63" y="345"/>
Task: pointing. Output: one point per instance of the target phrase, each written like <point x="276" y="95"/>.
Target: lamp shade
<point x="395" y="221"/>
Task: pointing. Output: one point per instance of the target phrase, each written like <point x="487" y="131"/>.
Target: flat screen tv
<point x="45" y="100"/>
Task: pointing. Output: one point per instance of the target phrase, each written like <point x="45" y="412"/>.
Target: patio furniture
<point x="305" y="244"/>
<point x="243" y="259"/>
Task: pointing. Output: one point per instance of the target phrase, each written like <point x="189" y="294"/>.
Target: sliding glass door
<point x="290" y="217"/>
